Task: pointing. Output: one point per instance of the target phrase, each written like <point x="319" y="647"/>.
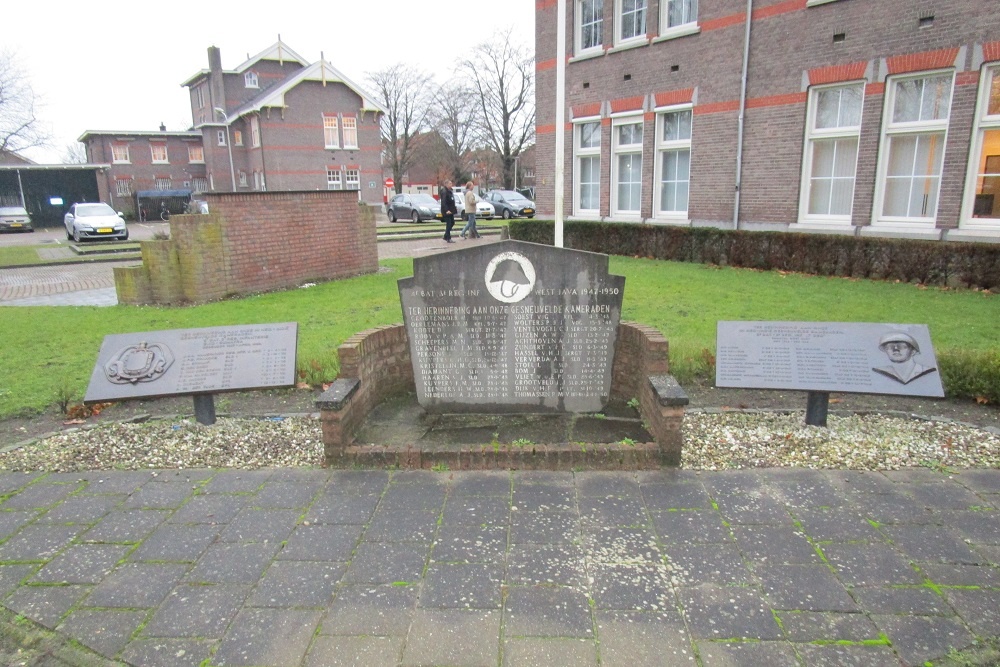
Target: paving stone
<point x="803" y="587"/>
<point x="544" y="498"/>
<point x="834" y="655"/>
<point x="197" y="611"/>
<point x="747" y="654"/>
<point x="775" y="544"/>
<point x="274" y="637"/>
<point x="39" y="496"/>
<point x="212" y="509"/>
<point x="119" y="481"/>
<point x="45" y="604"/>
<point x="695" y="564"/>
<point x="635" y="639"/>
<point x="861" y="481"/>
<point x="357" y="482"/>
<point x="544" y="478"/>
<point x="258" y="525"/>
<point x="870" y="565"/>
<point x="462" y="586"/>
<point x="980" y="481"/>
<point x="914" y="600"/>
<point x="813" y="492"/>
<point x="614" y="511"/>
<point x="285" y="495"/>
<point x="896" y="508"/>
<point x="841" y="524"/>
<point x="925" y="543"/>
<point x="105" y="631"/>
<point x="491" y="510"/>
<point x="452" y="637"/>
<point x="11" y="522"/>
<point x="11" y="576"/>
<point x="38" y="542"/>
<point x="601" y="484"/>
<point x="233" y="563"/>
<point x="82" y="509"/>
<point x="943" y="496"/>
<point x="664" y="497"/>
<point x="546" y="564"/>
<point x="547" y="611"/>
<point x="176" y="543"/>
<point x="81" y="564"/>
<point x="977" y="527"/>
<point x="715" y="612"/>
<point x="387" y="562"/>
<point x="304" y="475"/>
<point x="324" y="542"/>
<point x="363" y="651"/>
<point x="371" y="610"/>
<point x="12" y="481"/>
<point x="617" y="544"/>
<point x="986" y="576"/>
<point x="342" y="509"/>
<point x="989" y="555"/>
<point x="168" y="652"/>
<point x="544" y="527"/>
<point x="137" y="585"/>
<point x="482" y="484"/>
<point x="809" y="626"/>
<point x="126" y="526"/>
<point x="729" y="482"/>
<point x="429" y="497"/>
<point x="403" y="526"/>
<point x="552" y="651"/>
<point x="237" y="481"/>
<point x="916" y="476"/>
<point x="921" y="638"/>
<point x="691" y="526"/>
<point x="160" y="495"/>
<point x="753" y="510"/>
<point x="297" y="584"/>
<point x="460" y="543"/>
<point x="980" y="609"/>
<point x="639" y="587"/>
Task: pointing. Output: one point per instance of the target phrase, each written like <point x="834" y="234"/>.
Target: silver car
<point x="15" y="219"/>
<point x="484" y="209"/>
<point x="93" y="221"/>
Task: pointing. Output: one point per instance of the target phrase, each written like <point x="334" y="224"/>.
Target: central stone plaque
<point x="512" y="327"/>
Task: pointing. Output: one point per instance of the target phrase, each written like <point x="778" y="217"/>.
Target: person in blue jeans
<point x="470" y="213"/>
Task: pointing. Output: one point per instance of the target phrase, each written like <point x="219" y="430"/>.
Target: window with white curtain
<point x="589" y="25"/>
<point x="631" y="19"/>
<point x="673" y="163"/>
<point x="829" y="165"/>
<point x="626" y="166"/>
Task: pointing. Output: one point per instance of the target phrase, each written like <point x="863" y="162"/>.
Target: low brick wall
<point x="253" y="242"/>
<point x="376" y="365"/>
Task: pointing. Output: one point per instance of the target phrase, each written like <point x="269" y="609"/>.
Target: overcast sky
<point x="119" y="66"/>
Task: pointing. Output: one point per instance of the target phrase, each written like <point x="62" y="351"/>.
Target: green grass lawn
<point x="49" y="352"/>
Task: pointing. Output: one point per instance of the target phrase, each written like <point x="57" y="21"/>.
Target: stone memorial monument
<point x="512" y="327"/>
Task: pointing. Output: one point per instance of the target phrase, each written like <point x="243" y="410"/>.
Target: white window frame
<point x="199" y="97"/>
<point x="918" y="225"/>
<point x="117" y="159"/>
<point x="242" y="178"/>
<point x="813" y="135"/>
<point x="350" y="126"/>
<point x="250" y="80"/>
<point x="254" y="132"/>
<point x="220" y="138"/>
<point x="153" y="145"/>
<point x="352" y="179"/>
<point x="688" y="27"/>
<point x="984" y="122"/>
<point x="334" y="179"/>
<point x="638" y="39"/>
<point x="580" y="153"/>
<point x="196" y="154"/>
<point x="331" y="131"/>
<point x="237" y="138"/>
<point x="617" y="151"/>
<point x="662" y="147"/>
<point x="578" y="47"/>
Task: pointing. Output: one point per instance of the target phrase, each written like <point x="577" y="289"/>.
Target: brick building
<point x="853" y="117"/>
<point x="276" y="122"/>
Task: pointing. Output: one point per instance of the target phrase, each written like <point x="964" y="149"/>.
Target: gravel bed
<point x="712" y="441"/>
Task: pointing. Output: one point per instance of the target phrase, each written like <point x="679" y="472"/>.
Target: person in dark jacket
<point x="448" y="209"/>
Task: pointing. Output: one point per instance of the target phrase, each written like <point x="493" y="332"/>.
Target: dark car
<point x="510" y="204"/>
<point x="15" y="219"/>
<point x="416" y="207"/>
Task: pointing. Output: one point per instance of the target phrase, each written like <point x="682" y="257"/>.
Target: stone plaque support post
<point x="817" y="407"/>
<point x="204" y="408"/>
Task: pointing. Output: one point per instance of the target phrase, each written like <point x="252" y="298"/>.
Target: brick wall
<point x="254" y="242"/>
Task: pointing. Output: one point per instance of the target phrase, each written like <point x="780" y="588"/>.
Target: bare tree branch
<point x="403" y="91"/>
<point x="454" y="117"/>
<point x="20" y="127"/>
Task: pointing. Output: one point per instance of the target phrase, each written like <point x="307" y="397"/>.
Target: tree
<point x="402" y="90"/>
<point x="454" y="119"/>
<point x="74" y="153"/>
<point x="19" y="126"/>
<point x="503" y="76"/>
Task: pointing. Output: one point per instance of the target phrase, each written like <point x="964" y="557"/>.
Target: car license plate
<point x="105" y="230"/>
<point x="16" y="224"/>
<point x="529" y="210"/>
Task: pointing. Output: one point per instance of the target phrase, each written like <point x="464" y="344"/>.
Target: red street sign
<point x="389" y="182"/>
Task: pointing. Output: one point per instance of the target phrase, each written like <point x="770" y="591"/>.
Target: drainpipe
<point x="741" y="122"/>
<point x="20" y="189"/>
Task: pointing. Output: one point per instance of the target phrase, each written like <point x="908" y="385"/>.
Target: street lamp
<point x="229" y="145"/>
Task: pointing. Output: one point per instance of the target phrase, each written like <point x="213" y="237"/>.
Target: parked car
<point x="15" y="219"/>
<point x="416" y="207"/>
<point x="484" y="209"/>
<point x="92" y="221"/>
<point x="510" y="204"/>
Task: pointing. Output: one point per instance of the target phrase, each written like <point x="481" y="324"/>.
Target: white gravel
<point x="712" y="441"/>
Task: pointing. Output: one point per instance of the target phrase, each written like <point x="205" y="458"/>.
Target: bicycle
<point x="164" y="212"/>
